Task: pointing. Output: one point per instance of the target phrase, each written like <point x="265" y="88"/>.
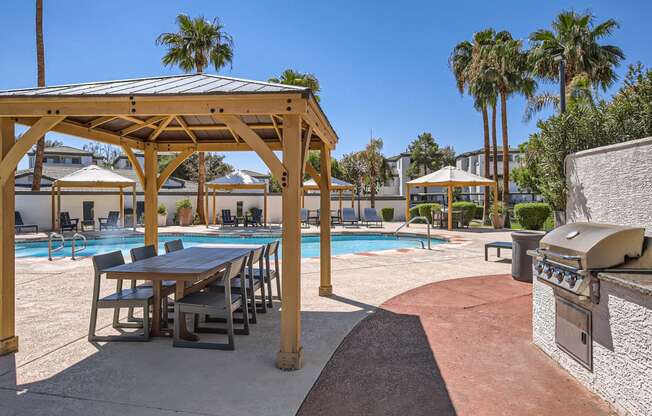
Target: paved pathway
<point x="455" y="347"/>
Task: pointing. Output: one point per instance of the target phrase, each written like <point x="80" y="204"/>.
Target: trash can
<point x="522" y="241"/>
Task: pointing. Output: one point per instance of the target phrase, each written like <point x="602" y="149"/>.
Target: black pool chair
<point x="110" y="222"/>
<point x="227" y="219"/>
<point x="66" y="223"/>
<point x="370" y="215"/>
<point x="256" y="218"/>
<point x="20" y="225"/>
<point x="305" y="213"/>
<point x="349" y="217"/>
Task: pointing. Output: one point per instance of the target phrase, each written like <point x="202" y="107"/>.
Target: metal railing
<point x="75" y="237"/>
<point x="50" y="249"/>
<point x="405" y="224"/>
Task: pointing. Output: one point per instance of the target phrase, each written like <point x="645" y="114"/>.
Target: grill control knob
<point x="571" y="279"/>
<point x="539" y="267"/>
<point x="558" y="274"/>
<point x="547" y="271"/>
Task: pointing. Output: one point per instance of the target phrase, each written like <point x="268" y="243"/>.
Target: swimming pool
<point x="340" y="244"/>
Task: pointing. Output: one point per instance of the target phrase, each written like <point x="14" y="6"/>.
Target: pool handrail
<point x="50" y="249"/>
<point x="405" y="224"/>
<point x="74" y="249"/>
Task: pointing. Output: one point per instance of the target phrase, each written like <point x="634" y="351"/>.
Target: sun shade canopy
<point x="237" y="177"/>
<point x="94" y="176"/>
<point x="336" y="185"/>
<point x="451" y="176"/>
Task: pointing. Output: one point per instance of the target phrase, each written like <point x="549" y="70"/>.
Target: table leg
<point x="183" y="328"/>
<point x="156" y="309"/>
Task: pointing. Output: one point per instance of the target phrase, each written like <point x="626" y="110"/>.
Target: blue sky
<point x="383" y="65"/>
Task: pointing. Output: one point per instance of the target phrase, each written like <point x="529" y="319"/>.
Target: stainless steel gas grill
<point x="568" y="257"/>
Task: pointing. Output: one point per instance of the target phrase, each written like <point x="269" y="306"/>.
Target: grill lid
<point x="597" y="245"/>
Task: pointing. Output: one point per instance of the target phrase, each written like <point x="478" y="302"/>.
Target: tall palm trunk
<point x="494" y="144"/>
<point x="372" y="195"/>
<point x="485" y="125"/>
<point x="201" y="183"/>
<point x="40" y="65"/>
<point x="503" y="122"/>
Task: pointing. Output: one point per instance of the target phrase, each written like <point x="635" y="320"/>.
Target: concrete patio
<point x="57" y="371"/>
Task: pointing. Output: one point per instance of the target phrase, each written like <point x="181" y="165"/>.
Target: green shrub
<point x="468" y="210"/>
<point x="162" y="210"/>
<point x="532" y="215"/>
<point x="414" y="211"/>
<point x="387" y="214"/>
<point x="184" y="203"/>
<point x="426" y="210"/>
<point x="549" y="224"/>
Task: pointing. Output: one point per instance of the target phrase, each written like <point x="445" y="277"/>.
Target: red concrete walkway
<point x="457" y="347"/>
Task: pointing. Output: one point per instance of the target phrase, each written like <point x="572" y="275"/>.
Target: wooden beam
<point x="172" y="166"/>
<point x="160" y="128"/>
<point x="306" y="146"/>
<point x="310" y="170"/>
<point x="256" y="143"/>
<point x="185" y="128"/>
<point x="132" y="119"/>
<point x="150" y="122"/>
<point x="8" y="338"/>
<point x="290" y="357"/>
<point x="275" y="125"/>
<point x="100" y="120"/>
<point x="135" y="164"/>
<point x="325" y="286"/>
<point x="22" y="146"/>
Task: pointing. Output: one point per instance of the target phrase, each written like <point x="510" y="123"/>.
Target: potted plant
<point x="498" y="213"/>
<point x="162" y="215"/>
<point x="184" y="212"/>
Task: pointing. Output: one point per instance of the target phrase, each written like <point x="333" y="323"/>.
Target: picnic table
<point x="192" y="268"/>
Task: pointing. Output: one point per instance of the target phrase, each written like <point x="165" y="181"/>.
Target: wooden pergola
<point x="92" y="177"/>
<point x="233" y="181"/>
<point x="336" y="185"/>
<point x="448" y="177"/>
<point x="185" y="114"/>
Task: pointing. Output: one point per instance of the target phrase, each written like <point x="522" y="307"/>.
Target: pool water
<point x="340" y="244"/>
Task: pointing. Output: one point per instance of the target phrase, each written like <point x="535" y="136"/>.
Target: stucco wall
<point x="611" y="184"/>
<point x="622" y="345"/>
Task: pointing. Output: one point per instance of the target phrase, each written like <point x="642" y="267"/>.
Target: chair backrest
<point x="304" y="214"/>
<point x="18" y="220"/>
<point x="142" y="253"/>
<point x="64" y="218"/>
<point x="174" y="245"/>
<point x="370" y="213"/>
<point x="234" y="269"/>
<point x="101" y="262"/>
<point x="256" y="255"/>
<point x="114" y="216"/>
<point x="272" y="248"/>
<point x="317" y="214"/>
<point x="226" y="214"/>
<point x="256" y="213"/>
<point x="348" y="214"/>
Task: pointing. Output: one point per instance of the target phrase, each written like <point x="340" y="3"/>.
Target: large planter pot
<point x="498" y="221"/>
<point x="162" y="220"/>
<point x="185" y="216"/>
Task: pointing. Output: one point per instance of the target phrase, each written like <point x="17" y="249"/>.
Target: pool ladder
<point x="75" y="249"/>
<point x="405" y="224"/>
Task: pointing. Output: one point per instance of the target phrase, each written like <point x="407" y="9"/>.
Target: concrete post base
<point x="9" y="345"/>
<point x="325" y="290"/>
<point x="290" y="361"/>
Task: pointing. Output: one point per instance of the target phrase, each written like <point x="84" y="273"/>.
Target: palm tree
<point x="509" y="71"/>
<point x="375" y="167"/>
<point x="588" y="63"/>
<point x="292" y="77"/>
<point x="197" y="44"/>
<point x="40" y="64"/>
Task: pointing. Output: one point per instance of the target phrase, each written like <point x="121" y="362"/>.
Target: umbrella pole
<point x="450" y="207"/>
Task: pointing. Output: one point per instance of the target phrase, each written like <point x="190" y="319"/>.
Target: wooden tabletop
<point x="190" y="264"/>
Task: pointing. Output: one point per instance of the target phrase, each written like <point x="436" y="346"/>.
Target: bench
<point x="507" y="245"/>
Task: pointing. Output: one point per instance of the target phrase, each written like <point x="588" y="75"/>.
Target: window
<point x="89" y="210"/>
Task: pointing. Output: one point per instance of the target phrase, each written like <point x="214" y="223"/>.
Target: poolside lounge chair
<point x="227" y="219"/>
<point x="336" y="217"/>
<point x="139" y="297"/>
<point x="256" y="218"/>
<point x="66" y="223"/>
<point x="111" y="221"/>
<point x="314" y="218"/>
<point x="348" y="216"/>
<point x="216" y="304"/>
<point x="370" y="215"/>
<point x="304" y="217"/>
<point x="20" y="225"/>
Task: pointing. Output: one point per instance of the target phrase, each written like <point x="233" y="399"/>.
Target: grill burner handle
<point x="545" y="254"/>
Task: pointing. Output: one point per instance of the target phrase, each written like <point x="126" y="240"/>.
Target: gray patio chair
<point x="370" y="215"/>
<point x="348" y="216"/>
<point x="253" y="284"/>
<point x="20" y="225"/>
<point x="139" y="297"/>
<point x="174" y="245"/>
<point x="268" y="273"/>
<point x="168" y="286"/>
<point x="110" y="222"/>
<point x="66" y="223"/>
<point x="215" y="304"/>
<point x="305" y="213"/>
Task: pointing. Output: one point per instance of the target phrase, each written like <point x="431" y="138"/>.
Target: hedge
<point x="387" y="214"/>
<point x="532" y="215"/>
<point x="468" y="209"/>
<point x="424" y="210"/>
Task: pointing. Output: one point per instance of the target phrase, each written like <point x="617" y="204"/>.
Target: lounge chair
<point x="304" y="217"/>
<point x="370" y="215"/>
<point x="336" y="217"/>
<point x="348" y="216"/>
<point x="227" y="219"/>
<point x="256" y="218"/>
<point x="20" y="225"/>
<point x="314" y="218"/>
<point x="111" y="221"/>
<point x="66" y="223"/>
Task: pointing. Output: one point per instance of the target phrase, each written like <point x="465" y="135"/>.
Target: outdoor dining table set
<point x="217" y="285"/>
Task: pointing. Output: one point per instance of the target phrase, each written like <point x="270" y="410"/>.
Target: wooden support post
<point x="325" y="286"/>
<point x="450" y="207"/>
<point x="134" y="217"/>
<point x="407" y="204"/>
<point x="57" y="218"/>
<point x="151" y="195"/>
<point x="214" y="206"/>
<point x="303" y="198"/>
<point x="290" y="357"/>
<point x="341" y="202"/>
<point x="8" y="338"/>
<point x="353" y="198"/>
<point x="207" y="194"/>
<point x="265" y="206"/>
<point x="53" y="208"/>
<point x="122" y="207"/>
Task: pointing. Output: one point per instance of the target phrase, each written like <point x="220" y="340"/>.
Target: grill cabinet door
<point x="573" y="331"/>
